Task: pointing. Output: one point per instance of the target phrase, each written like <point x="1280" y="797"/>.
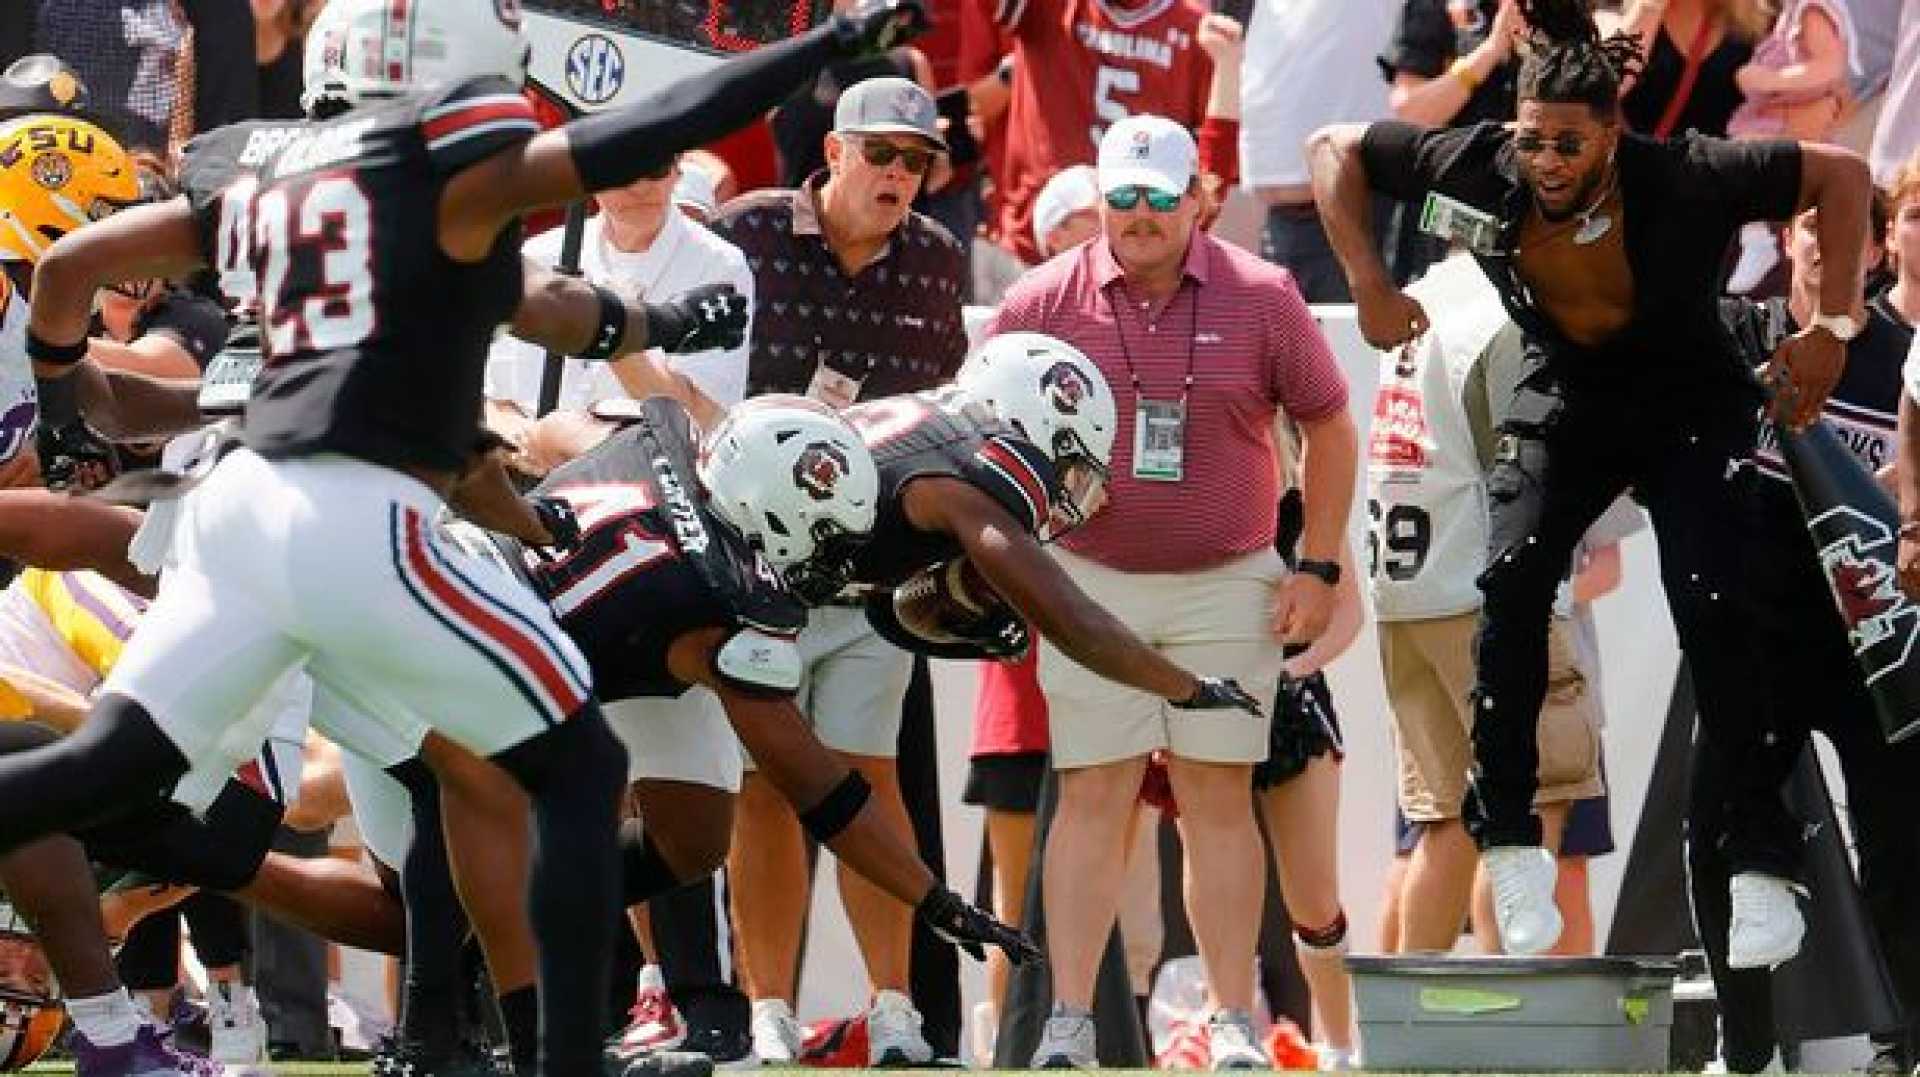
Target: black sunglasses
<point x="880" y="154"/>
<point x="1566" y="144"/>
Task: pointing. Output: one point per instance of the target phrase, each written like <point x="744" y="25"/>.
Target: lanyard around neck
<point x="1126" y="353"/>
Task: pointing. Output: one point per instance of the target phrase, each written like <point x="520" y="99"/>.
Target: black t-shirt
<point x="1715" y="95"/>
<point x="1425" y="43"/>
<point x="376" y="339"/>
<point x="939" y="433"/>
<point x="1684" y="200"/>
<point x="280" y="84"/>
<point x="644" y="573"/>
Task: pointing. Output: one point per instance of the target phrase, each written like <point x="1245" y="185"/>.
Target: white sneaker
<point x="239" y="1032"/>
<point x="1067" y="1042"/>
<point x="1231" y="1044"/>
<point x="1767" y="925"/>
<point x="776" y="1035"/>
<point x="893" y="1032"/>
<point x="1335" y="1060"/>
<point x="1523" y="878"/>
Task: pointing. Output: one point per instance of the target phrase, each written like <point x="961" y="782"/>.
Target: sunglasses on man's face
<point x="880" y="153"/>
<point x="1125" y="198"/>
<point x="1566" y="144"/>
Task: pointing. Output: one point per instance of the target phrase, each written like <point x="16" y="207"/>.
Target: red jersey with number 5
<point x="1080" y="65"/>
<point x="375" y="339"/>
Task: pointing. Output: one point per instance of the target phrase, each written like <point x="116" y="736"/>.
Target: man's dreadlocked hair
<point x="1566" y="59"/>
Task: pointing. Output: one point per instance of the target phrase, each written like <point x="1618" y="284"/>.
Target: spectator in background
<point x="1183" y="554"/>
<point x="802" y="122"/>
<point x="279" y="45"/>
<point x="1090" y="62"/>
<point x="1451" y="64"/>
<point x="1297" y="788"/>
<point x="161" y="71"/>
<point x="1795" y="87"/>
<point x="1439" y="404"/>
<point x="1694" y="51"/>
<point x="1896" y="137"/>
<point x="858" y="298"/>
<point x="640" y="246"/>
<point x="1067" y="213"/>
<point x="1305" y="65"/>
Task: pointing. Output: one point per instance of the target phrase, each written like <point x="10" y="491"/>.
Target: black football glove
<point x="73" y="457"/>
<point x="959" y="923"/>
<point x="874" y="26"/>
<point x="563" y="527"/>
<point x="710" y="316"/>
<point x="1219" y="693"/>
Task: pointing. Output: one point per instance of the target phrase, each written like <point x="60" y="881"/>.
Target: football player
<point x="383" y="238"/>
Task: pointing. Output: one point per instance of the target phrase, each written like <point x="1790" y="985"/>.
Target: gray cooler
<point x="1436" y="1012"/>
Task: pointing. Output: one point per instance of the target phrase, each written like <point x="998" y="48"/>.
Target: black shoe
<point x="1891" y="1054"/>
<point x="703" y="1051"/>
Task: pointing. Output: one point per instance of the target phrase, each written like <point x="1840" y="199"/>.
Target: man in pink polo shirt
<point x="1206" y="347"/>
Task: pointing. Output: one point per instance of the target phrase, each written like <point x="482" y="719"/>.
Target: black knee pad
<point x="222" y="851"/>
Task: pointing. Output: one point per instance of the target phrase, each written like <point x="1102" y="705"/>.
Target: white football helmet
<point x="793" y="477"/>
<point x="364" y="50"/>
<point x="1056" y="398"/>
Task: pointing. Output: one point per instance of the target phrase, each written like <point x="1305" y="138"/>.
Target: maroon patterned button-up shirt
<point x="895" y="323"/>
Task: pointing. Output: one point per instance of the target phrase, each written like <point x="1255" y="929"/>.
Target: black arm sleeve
<point x="614" y="148"/>
<point x="1406" y="160"/>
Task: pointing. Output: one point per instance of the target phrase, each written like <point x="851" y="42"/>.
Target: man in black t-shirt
<point x="1605" y="247"/>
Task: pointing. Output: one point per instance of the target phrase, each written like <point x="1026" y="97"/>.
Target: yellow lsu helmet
<point x="56" y="174"/>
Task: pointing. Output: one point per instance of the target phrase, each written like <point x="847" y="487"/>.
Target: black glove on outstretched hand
<point x="959" y="923"/>
<point x="878" y="25"/>
<point x="1219" y="693"/>
<point x="73" y="457"/>
<point x="563" y="527"/>
<point x="710" y="316"/>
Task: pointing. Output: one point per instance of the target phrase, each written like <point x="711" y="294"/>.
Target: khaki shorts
<point x="1213" y="622"/>
<point x="1429" y="672"/>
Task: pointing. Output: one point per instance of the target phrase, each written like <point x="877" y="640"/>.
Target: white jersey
<point x="19" y="402"/>
<point x="1427" y="495"/>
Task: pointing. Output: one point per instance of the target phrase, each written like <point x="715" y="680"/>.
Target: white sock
<point x="651" y="977"/>
<point x="105" y="1020"/>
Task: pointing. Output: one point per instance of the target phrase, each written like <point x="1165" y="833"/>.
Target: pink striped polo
<point x="1255" y="349"/>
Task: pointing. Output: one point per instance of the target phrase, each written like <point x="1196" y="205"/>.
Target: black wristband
<point x="45" y="351"/>
<point x="59" y="401"/>
<point x="826" y="819"/>
<point x="611" y="331"/>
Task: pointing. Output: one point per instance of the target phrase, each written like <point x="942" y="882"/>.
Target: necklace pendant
<point x="1592" y="229"/>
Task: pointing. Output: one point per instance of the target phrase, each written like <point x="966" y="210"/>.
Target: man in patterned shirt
<point x="858" y="297"/>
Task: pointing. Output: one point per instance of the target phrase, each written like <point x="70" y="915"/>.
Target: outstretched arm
<point x="62" y="532"/>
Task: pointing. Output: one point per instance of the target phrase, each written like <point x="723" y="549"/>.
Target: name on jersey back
<point x="302" y="148"/>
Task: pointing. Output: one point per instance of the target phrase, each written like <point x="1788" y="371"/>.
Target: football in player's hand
<point x="937" y="601"/>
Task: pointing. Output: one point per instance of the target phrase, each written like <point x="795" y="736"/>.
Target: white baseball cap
<point x="1068" y="192"/>
<point x="1147" y="151"/>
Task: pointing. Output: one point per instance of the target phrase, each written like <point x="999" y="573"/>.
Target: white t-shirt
<point x="683" y="256"/>
<point x="1308" y="63"/>
<point x="1896" y="135"/>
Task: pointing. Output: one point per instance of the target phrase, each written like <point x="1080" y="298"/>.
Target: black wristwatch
<point x="1328" y="572"/>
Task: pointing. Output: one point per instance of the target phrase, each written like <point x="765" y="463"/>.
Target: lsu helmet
<point x="794" y="477"/>
<point x="30" y="1011"/>
<point x="365" y="50"/>
<point x="56" y="174"/>
<point x="1056" y="398"/>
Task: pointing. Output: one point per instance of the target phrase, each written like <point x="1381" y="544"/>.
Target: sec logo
<point x="595" y="69"/>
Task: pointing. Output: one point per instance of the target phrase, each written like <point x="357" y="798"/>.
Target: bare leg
<point x="1085" y="863"/>
<point x="1224" y="880"/>
<point x="1576" y="908"/>
<point x="882" y="924"/>
<point x="768" y="871"/>
<point x="1010" y="839"/>
<point x="1438" y="889"/>
<point x="485" y="813"/>
<point x="1303" y="820"/>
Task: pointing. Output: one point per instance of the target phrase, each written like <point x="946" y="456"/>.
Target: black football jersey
<point x="375" y="340"/>
<point x="653" y="563"/>
<point x="939" y="432"/>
